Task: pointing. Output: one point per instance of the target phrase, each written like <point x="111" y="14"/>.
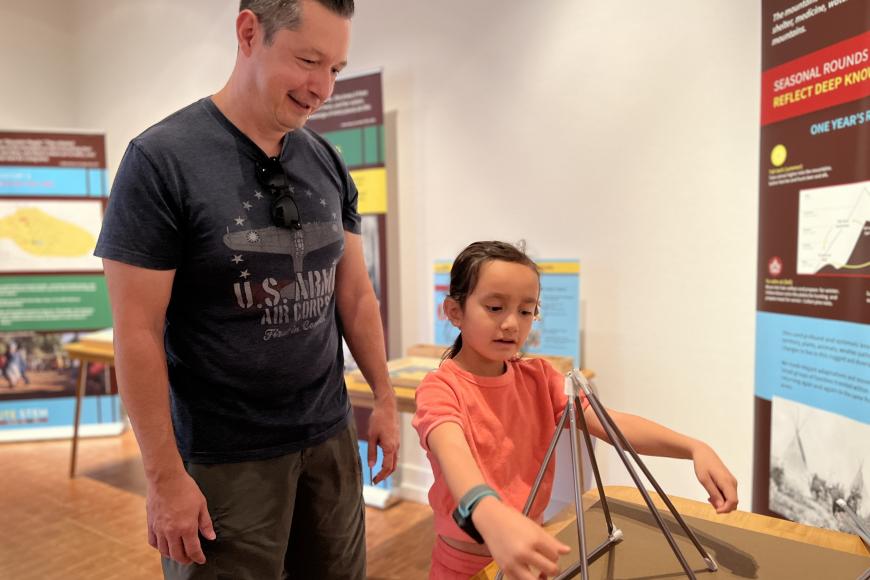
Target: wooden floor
<point x="93" y="527"/>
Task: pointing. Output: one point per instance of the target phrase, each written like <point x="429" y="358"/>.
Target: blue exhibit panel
<point x="559" y="324"/>
<point x="818" y="362"/>
<point x="97" y="182"/>
<point x="52" y="181"/>
<point x="445" y="333"/>
<point x="366" y="472"/>
<point x="58" y="412"/>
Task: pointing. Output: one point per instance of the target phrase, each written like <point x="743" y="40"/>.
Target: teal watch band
<point x="472" y="497"/>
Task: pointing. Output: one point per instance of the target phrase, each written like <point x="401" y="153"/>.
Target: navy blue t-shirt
<point x="252" y="337"/>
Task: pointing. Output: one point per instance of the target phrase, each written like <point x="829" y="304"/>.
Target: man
<point x="234" y="264"/>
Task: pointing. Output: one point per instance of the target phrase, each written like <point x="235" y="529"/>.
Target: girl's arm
<point x="515" y="542"/>
<point x="650" y="438"/>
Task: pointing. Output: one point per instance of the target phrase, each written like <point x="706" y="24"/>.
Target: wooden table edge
<point x="785" y="529"/>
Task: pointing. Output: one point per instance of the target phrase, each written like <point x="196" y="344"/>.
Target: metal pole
<point x="614" y="440"/>
<point x="594" y="463"/>
<point x="860" y="526"/>
<point x="578" y="494"/>
<point x="711" y="564"/>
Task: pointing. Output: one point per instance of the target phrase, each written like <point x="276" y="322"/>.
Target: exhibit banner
<point x="812" y="377"/>
<point x="52" y="164"/>
<point x="352" y="120"/>
<point x="37" y="393"/>
<point x="556" y="331"/>
<point x="52" y="197"/>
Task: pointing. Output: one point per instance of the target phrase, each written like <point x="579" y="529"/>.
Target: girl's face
<point x="497" y="316"/>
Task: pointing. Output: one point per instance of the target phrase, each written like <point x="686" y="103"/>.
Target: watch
<point x="463" y="511"/>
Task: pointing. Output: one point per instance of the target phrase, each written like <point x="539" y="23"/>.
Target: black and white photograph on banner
<point x="816" y="459"/>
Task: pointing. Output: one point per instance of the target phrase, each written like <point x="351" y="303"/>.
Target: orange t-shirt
<point x="508" y="422"/>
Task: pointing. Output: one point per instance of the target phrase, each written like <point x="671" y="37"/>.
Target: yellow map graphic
<point x="41" y="234"/>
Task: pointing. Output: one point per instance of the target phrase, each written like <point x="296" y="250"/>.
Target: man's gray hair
<point x="277" y="14"/>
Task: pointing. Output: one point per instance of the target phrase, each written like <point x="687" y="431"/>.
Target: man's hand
<point x="176" y="512"/>
<point x="384" y="433"/>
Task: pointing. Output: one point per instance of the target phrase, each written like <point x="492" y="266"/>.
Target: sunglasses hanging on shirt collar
<point x="284" y="211"/>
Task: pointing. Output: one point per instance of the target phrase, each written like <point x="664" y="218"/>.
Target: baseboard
<point x="415" y="483"/>
<point x="378" y="497"/>
<point x="414" y="494"/>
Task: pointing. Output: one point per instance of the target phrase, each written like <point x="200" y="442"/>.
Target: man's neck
<point x="229" y="102"/>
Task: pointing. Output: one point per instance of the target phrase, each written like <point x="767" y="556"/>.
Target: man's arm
<point x="361" y="323"/>
<point x="176" y="507"/>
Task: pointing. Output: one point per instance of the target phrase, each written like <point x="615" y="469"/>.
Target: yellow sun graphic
<point x="778" y="155"/>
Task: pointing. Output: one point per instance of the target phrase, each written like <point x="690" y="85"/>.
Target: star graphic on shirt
<point x="309" y="193"/>
<point x="253" y="237"/>
<point x="247" y="205"/>
<point x="244" y="274"/>
<point x="240" y="220"/>
<point x="257" y="194"/>
<point x="237" y="258"/>
<point x="322" y="202"/>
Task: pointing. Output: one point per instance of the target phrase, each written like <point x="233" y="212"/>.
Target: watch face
<point x="462" y="513"/>
<point x="466" y="525"/>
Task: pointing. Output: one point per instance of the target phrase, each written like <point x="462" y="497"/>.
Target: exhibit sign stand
<point x="53" y="191"/>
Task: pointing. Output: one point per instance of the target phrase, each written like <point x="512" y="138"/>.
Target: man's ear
<point x="453" y="311"/>
<point x="247" y="27"/>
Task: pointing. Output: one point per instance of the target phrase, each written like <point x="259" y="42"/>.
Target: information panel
<point x="52" y="196"/>
<point x="812" y="384"/>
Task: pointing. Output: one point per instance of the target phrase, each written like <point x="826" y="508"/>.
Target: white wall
<point x="138" y="61"/>
<point x="622" y="133"/>
<point x="36" y="56"/>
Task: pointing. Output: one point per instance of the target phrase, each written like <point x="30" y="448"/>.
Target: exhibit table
<point x="86" y="352"/>
<point x="744" y="544"/>
<point x="407" y="372"/>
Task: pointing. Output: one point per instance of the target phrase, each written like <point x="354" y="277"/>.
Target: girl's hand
<point x="518" y="545"/>
<point x="716" y="479"/>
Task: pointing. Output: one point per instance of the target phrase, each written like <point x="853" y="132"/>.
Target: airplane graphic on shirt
<point x="295" y="243"/>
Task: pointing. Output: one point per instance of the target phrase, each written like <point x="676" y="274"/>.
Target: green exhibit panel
<point x="359" y="147"/>
<point x="53" y="303"/>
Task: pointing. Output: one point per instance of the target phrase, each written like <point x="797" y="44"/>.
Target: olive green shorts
<point x="300" y="515"/>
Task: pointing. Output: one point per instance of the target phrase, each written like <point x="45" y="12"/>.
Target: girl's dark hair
<point x="466" y="271"/>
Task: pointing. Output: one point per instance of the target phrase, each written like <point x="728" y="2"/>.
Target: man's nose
<point x="320" y="83"/>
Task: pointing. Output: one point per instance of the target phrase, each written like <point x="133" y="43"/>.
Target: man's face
<point x="295" y="75"/>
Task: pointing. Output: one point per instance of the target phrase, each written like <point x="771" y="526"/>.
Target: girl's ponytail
<point x="454" y="349"/>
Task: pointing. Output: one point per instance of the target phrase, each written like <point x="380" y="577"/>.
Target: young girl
<point x="486" y="418"/>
